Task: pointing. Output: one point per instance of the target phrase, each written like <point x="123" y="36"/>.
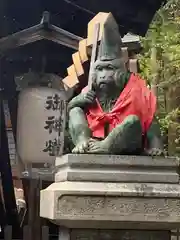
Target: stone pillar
<point x="106" y="196"/>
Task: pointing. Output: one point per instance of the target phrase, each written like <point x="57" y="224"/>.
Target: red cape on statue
<point x="135" y="99"/>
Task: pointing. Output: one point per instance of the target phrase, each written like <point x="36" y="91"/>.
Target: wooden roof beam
<point x="41" y="31"/>
<point x="47" y="31"/>
<point x="62" y="37"/>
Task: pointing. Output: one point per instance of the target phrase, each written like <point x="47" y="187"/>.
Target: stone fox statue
<point x="118" y="115"/>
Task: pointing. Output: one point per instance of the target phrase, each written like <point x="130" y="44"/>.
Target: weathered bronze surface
<point x="109" y="81"/>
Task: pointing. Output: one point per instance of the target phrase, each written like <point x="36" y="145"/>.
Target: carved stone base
<point x="107" y="195"/>
<point x="112" y="205"/>
<point x="116" y="168"/>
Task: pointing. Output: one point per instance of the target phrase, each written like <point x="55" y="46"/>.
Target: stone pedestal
<point x="114" y="194"/>
<point x="119" y="235"/>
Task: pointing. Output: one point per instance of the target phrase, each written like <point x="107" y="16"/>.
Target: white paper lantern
<point x="39" y="124"/>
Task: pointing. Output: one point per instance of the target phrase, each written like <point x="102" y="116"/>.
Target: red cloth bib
<point x="135" y="99"/>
